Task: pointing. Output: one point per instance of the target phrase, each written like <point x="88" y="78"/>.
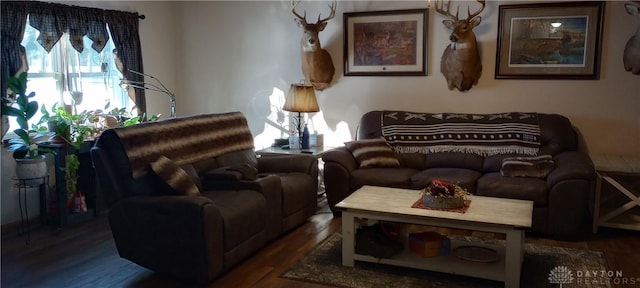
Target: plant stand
<point x="23" y="184"/>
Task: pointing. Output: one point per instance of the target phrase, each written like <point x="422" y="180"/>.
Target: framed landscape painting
<point x="550" y="41"/>
<point x="385" y="43"/>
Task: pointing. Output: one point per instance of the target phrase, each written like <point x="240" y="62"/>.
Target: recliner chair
<point x="235" y="203"/>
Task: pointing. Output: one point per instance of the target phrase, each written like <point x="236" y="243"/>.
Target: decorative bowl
<point x="442" y="202"/>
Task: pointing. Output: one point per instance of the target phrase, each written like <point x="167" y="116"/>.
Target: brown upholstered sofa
<point x="239" y="203"/>
<point x="562" y="198"/>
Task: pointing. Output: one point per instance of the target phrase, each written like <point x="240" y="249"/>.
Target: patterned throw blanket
<point x="486" y="134"/>
<point x="184" y="140"/>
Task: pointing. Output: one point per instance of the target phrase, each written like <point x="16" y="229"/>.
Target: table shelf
<point x="447" y="264"/>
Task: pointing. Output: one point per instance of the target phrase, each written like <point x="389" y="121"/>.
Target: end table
<point x="620" y="209"/>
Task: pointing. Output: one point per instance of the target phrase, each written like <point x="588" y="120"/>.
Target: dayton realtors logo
<point x="561" y="275"/>
<point x="564" y="275"/>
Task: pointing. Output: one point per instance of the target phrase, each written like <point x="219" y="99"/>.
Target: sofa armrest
<point x="177" y="235"/>
<point x="342" y="157"/>
<point x="571" y="194"/>
<point x="288" y="164"/>
<point x="268" y="185"/>
<point x="338" y="166"/>
<point x="571" y="165"/>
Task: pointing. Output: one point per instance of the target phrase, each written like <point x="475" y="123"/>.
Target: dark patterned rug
<point x="324" y="265"/>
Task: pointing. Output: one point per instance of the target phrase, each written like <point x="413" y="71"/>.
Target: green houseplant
<point x="30" y="163"/>
<point x="71" y="129"/>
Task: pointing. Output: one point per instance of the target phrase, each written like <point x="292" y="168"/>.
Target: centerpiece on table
<point x="442" y="195"/>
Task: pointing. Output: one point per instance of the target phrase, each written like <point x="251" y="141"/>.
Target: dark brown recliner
<point x="197" y="238"/>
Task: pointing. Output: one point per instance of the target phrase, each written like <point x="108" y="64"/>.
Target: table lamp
<point x="301" y="98"/>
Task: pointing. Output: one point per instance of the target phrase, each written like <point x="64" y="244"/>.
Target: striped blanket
<point x="483" y="134"/>
<point x="184" y="140"/>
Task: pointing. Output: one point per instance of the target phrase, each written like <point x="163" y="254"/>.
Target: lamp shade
<point x="301" y="98"/>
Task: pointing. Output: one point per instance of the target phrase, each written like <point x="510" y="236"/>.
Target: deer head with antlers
<point x="317" y="65"/>
<point x="631" y="56"/>
<point x="461" y="64"/>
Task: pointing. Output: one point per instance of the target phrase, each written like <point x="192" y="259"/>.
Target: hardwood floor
<point x="85" y="256"/>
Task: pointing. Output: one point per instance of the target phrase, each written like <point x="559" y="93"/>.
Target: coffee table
<point x="498" y="215"/>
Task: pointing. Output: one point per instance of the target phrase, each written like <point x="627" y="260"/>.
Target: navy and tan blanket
<point x="482" y="134"/>
<point x="184" y="140"/>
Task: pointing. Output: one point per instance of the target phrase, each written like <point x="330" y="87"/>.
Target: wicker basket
<point x="442" y="202"/>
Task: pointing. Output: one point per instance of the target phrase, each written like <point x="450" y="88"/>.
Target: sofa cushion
<point x="244" y="214"/>
<point x="174" y="176"/>
<point x="536" y="166"/>
<point x="238" y="157"/>
<point x="387" y="177"/>
<point x="373" y="153"/>
<point x="412" y="160"/>
<point x="466" y="178"/>
<point x="455" y="160"/>
<point x="523" y="188"/>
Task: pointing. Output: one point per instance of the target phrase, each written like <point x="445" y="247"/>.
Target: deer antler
<point x="439" y="8"/>
<point x="471" y="15"/>
<point x="331" y="15"/>
<point x="293" y="10"/>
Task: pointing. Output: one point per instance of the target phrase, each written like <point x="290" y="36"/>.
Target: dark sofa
<point x="159" y="220"/>
<point x="562" y="199"/>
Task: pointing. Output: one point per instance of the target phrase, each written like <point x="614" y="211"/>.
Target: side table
<point x="23" y="184"/>
<point x="313" y="151"/>
<point x="620" y="209"/>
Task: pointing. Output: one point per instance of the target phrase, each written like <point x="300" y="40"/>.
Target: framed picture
<point x="385" y="43"/>
<point x="550" y="41"/>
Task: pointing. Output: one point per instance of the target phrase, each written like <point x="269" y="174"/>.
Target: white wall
<point x="236" y="53"/>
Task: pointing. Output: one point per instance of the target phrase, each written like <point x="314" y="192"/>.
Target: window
<point x="64" y="69"/>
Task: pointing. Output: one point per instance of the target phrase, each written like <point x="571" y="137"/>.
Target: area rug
<point x="323" y="265"/>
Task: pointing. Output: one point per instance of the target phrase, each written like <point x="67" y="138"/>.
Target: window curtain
<point x="53" y="20"/>
<point x="124" y="30"/>
<point x="14" y="21"/>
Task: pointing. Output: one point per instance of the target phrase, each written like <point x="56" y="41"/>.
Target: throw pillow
<point x="537" y="166"/>
<point x="373" y="153"/>
<point x="174" y="176"/>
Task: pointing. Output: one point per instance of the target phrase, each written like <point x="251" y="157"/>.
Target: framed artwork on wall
<point x="550" y="41"/>
<point x="385" y="43"/>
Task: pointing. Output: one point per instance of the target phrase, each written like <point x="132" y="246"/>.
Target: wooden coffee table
<point x="498" y="215"/>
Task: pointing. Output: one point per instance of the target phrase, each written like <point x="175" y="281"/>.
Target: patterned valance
<point x="54" y="19"/>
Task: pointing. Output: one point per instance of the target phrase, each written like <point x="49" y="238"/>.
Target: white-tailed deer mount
<point x="461" y="64"/>
<point x="317" y="65"/>
<point x="631" y="57"/>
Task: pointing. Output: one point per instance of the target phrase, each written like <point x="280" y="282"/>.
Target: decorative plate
<point x="476" y="254"/>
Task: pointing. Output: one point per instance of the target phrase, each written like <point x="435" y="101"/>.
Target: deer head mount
<point x="461" y="64"/>
<point x="631" y="56"/>
<point x="317" y="65"/>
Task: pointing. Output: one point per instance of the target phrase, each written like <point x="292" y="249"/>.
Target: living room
<point x="243" y="55"/>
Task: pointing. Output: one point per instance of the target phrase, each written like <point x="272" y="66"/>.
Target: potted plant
<point x="30" y="161"/>
<point x="71" y="129"/>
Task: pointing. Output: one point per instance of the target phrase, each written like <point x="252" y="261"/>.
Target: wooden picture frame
<point x="550" y="41"/>
<point x="386" y="43"/>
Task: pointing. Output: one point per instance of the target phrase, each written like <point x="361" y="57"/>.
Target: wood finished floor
<point x="85" y="256"/>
